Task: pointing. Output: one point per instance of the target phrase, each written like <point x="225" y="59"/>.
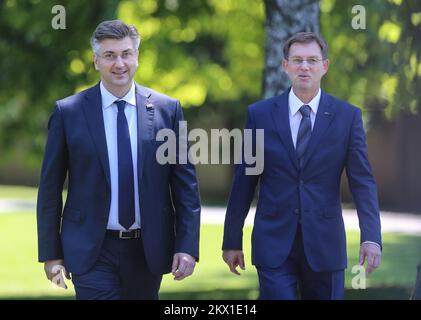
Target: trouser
<point x="295" y="279"/>
<point x="120" y="272"/>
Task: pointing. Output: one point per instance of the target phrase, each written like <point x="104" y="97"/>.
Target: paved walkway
<point x="13" y="205"/>
<point x="391" y="222"/>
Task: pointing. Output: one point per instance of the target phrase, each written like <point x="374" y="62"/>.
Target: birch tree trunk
<point x="283" y="19"/>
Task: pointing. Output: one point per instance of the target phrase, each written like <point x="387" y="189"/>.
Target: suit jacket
<point x="311" y="195"/>
<point x="76" y="146"/>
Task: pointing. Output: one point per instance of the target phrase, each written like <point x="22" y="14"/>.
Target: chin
<point x="121" y="82"/>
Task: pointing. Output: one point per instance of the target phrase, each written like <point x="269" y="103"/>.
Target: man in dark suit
<point x="127" y="219"/>
<point x="310" y="137"/>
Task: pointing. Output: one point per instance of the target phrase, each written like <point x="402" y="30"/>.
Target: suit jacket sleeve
<point x="362" y="183"/>
<point x="185" y="197"/>
<point x="49" y="203"/>
<point x="241" y="196"/>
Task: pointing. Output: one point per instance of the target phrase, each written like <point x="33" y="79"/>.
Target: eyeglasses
<point x="300" y="61"/>
<point x="111" y="57"/>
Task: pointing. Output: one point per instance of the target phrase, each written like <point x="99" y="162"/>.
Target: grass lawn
<point x="21" y="276"/>
<point x="18" y="192"/>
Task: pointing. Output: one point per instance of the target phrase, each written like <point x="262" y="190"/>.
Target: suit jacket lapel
<point x="280" y="115"/>
<point x="92" y="108"/>
<point x="324" y="118"/>
<point x="145" y="116"/>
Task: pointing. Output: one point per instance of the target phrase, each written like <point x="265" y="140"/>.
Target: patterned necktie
<point x="304" y="133"/>
<point x="126" y="214"/>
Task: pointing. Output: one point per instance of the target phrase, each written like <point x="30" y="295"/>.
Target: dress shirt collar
<point x="108" y="98"/>
<point x="295" y="103"/>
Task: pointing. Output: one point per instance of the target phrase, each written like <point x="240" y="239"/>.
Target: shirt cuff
<point x="375" y="243"/>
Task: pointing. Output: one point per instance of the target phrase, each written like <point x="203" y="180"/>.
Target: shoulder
<point x="340" y="105"/>
<point x="75" y="100"/>
<point x="157" y="99"/>
<point x="162" y="104"/>
<point x="263" y="106"/>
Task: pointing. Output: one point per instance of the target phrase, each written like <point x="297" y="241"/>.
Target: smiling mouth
<point x="119" y="73"/>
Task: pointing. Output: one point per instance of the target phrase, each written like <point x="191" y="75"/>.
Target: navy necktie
<point x="304" y="133"/>
<point x="126" y="214"/>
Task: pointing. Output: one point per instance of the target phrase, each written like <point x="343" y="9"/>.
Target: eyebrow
<point x="311" y="57"/>
<point x="110" y="51"/>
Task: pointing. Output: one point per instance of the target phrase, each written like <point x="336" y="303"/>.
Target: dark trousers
<point x="120" y="272"/>
<point x="295" y="279"/>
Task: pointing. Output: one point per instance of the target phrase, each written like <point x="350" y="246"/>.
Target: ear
<point x="326" y="65"/>
<point x="96" y="61"/>
<point x="285" y="65"/>
<point x="137" y="58"/>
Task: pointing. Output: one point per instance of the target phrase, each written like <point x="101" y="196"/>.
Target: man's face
<point x="305" y="67"/>
<point x="117" y="62"/>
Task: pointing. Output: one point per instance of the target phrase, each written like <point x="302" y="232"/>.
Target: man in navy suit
<point x="310" y="137"/>
<point x="127" y="219"/>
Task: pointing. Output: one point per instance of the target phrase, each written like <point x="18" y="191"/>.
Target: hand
<point x="53" y="270"/>
<point x="234" y="258"/>
<point x="182" y="266"/>
<point x="373" y="254"/>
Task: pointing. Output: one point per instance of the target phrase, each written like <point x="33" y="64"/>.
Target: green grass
<point x="17" y="192"/>
<point x="21" y="276"/>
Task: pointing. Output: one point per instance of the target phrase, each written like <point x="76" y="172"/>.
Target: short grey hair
<point x="114" y="29"/>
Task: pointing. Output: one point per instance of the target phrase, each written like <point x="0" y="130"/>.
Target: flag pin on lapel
<point x="149" y="105"/>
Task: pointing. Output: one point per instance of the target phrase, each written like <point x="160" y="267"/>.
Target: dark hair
<point x="306" y="37"/>
<point x="114" y="29"/>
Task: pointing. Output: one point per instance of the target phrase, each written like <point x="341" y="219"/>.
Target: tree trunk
<point x="416" y="295"/>
<point x="283" y="19"/>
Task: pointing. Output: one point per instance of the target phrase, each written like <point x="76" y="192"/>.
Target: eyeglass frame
<point x="309" y="61"/>
<point x="113" y="56"/>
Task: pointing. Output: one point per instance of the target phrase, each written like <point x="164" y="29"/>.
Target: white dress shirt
<point x="295" y="115"/>
<point x="109" y="110"/>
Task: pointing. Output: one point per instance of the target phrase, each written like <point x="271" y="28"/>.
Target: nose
<point x="304" y="65"/>
<point x="119" y="62"/>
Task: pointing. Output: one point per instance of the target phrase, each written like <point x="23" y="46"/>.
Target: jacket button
<point x="297" y="211"/>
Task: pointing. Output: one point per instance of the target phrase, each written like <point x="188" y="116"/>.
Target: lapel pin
<point x="149" y="105"/>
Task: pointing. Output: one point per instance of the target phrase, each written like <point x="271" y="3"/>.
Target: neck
<point x="306" y="95"/>
<point x="119" y="92"/>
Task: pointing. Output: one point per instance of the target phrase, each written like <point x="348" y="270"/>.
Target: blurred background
<point x="216" y="57"/>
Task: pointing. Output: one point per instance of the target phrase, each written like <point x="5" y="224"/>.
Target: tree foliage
<point x="209" y="54"/>
<point x="38" y="66"/>
<point x="378" y="67"/>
